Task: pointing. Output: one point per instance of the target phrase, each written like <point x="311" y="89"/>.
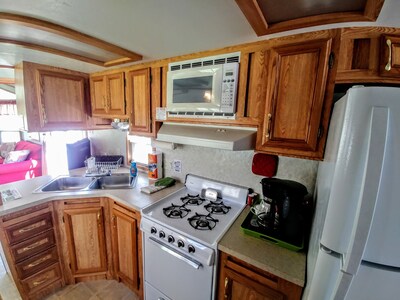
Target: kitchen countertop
<point x="131" y="197"/>
<point x="264" y="255"/>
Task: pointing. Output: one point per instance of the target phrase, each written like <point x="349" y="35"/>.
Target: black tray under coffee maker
<point x="286" y="221"/>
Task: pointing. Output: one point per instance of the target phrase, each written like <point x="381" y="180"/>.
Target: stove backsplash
<point x="234" y="166"/>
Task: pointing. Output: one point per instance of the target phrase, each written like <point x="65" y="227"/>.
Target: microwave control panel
<point x="229" y="87"/>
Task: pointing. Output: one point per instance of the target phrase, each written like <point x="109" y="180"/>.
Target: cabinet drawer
<point x="33" y="246"/>
<point x="24" y="230"/>
<point x="37" y="262"/>
<point x="42" y="279"/>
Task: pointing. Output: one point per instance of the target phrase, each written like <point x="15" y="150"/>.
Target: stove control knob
<point x="181" y="244"/>
<point x="171" y="239"/>
<point x="191" y="249"/>
<point x="153" y="230"/>
<point x="161" y="234"/>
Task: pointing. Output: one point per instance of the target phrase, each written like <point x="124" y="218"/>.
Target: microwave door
<point x="194" y="90"/>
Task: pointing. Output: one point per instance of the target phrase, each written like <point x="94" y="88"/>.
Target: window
<point x="140" y="148"/>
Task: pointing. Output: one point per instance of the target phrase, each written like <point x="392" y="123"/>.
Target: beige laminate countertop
<point x="274" y="259"/>
<point x="131" y="197"/>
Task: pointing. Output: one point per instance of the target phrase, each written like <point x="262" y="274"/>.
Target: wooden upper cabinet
<point x="368" y="55"/>
<point x="108" y="95"/>
<point x="85" y="233"/>
<point x="390" y="56"/>
<point x="138" y="95"/>
<point x="51" y="98"/>
<point x="294" y="119"/>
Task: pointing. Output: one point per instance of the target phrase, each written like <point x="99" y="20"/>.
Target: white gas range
<point x="181" y="233"/>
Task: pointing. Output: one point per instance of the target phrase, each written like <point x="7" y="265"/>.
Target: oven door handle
<point x="190" y="261"/>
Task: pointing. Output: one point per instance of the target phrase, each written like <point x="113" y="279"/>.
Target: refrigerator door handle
<point x="370" y="188"/>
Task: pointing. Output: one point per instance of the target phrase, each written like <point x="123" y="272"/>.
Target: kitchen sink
<point x="66" y="184"/>
<point x="70" y="184"/>
<point x="117" y="181"/>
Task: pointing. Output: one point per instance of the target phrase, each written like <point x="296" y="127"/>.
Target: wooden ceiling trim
<point x="118" y="61"/>
<point x="128" y="56"/>
<point x="53" y="51"/>
<point x="7" y="80"/>
<point x="255" y="17"/>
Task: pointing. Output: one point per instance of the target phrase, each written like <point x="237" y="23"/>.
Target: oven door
<point x="174" y="274"/>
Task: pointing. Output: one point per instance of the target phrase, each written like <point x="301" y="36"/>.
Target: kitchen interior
<point x="263" y="140"/>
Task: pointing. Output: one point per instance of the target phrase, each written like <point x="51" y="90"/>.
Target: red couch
<point x="29" y="168"/>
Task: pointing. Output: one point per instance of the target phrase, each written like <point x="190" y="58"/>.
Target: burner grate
<point x="192" y="199"/>
<point x="176" y="211"/>
<point x="217" y="208"/>
<point x="202" y="222"/>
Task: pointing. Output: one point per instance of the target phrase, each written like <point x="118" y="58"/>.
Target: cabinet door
<point x="125" y="248"/>
<point x="61" y="100"/>
<point x="238" y="287"/>
<point x="116" y="94"/>
<point x="86" y="239"/>
<point x="138" y="94"/>
<point x="296" y="81"/>
<point x="390" y="56"/>
<point x="98" y="95"/>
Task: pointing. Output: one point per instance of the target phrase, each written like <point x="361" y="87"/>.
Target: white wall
<point x="108" y="142"/>
<point x="235" y="166"/>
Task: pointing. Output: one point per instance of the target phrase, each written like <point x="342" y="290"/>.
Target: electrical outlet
<point x="177" y="166"/>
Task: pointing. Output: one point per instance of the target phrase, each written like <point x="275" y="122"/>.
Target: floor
<point x="91" y="290"/>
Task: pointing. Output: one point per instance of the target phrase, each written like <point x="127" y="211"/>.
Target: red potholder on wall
<point x="264" y="164"/>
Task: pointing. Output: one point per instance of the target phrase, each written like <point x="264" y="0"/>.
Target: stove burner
<point x="202" y="222"/>
<point x="176" y="211"/>
<point x="218" y="208"/>
<point x="192" y="199"/>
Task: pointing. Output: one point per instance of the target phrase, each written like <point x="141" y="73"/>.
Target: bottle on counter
<point x="155" y="164"/>
<point x="133" y="169"/>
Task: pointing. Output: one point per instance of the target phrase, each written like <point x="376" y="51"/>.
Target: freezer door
<point x="361" y="218"/>
<point x="375" y="282"/>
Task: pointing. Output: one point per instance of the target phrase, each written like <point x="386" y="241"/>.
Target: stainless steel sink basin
<point x="71" y="184"/>
<point x="116" y="181"/>
<point x="66" y="184"/>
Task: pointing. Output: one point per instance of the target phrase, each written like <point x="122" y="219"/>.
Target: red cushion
<point x="35" y="149"/>
<point x="1" y="160"/>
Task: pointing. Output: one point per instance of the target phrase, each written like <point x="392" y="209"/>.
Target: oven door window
<point x="174" y="276"/>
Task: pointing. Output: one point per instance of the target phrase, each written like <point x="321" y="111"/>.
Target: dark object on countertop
<point x="77" y="153"/>
<point x="285" y="221"/>
<point x="166" y="181"/>
<point x="264" y="164"/>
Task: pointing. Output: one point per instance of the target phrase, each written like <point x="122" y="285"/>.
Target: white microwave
<point x="203" y="88"/>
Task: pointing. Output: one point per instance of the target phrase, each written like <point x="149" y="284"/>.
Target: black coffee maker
<point x="288" y="208"/>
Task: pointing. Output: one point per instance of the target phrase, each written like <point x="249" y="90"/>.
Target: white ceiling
<point x="154" y="28"/>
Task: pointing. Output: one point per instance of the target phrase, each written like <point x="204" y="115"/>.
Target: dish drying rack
<point x="103" y="164"/>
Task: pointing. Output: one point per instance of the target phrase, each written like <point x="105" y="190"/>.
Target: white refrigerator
<point x="354" y="250"/>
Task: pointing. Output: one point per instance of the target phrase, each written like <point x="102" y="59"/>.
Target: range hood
<point x="212" y="136"/>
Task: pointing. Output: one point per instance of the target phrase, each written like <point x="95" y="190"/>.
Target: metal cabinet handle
<point x="226" y="296"/>
<point x="38" y="262"/>
<point x="34" y="245"/>
<point x="269" y="117"/>
<point x="98" y="218"/>
<point x="114" y="221"/>
<point x="388" y="66"/>
<point x="31" y="227"/>
<point x="44" y="116"/>
<point x="36" y="283"/>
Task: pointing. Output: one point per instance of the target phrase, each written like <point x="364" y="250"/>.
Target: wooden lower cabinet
<point x="239" y="280"/>
<point x="30" y="248"/>
<point x="126" y="245"/>
<point x="84" y="237"/>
